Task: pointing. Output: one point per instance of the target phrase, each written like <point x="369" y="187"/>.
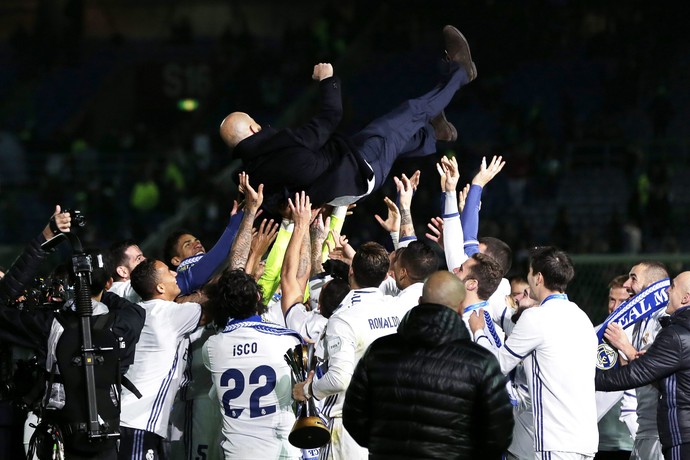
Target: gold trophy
<point x="310" y="430"/>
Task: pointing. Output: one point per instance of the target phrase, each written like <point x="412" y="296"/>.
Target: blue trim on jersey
<point x="408" y="238"/>
<point x="159" y="402"/>
<point x="512" y="352"/>
<point x="476" y="306"/>
<point x="537" y="405"/>
<point x="632" y="395"/>
<point x="503" y="318"/>
<point x="329" y="403"/>
<point x="492" y="330"/>
<point x="189" y="262"/>
<point x="553" y="297"/>
<point x="255" y="323"/>
<point x="451" y="215"/>
<point x="288" y="310"/>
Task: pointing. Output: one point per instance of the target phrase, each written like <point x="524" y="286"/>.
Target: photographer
<point x="56" y="337"/>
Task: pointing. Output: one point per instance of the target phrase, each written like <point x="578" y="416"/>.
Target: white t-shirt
<point x="253" y="386"/>
<point x="363" y="316"/>
<point x="557" y="343"/>
<point x="157" y="362"/>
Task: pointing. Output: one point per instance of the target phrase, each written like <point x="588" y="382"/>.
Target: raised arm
<point x="261" y="241"/>
<point x="252" y="203"/>
<point x="470" y="213"/>
<point x="295" y="272"/>
<point x="317" y="131"/>
<point x="452" y="228"/>
<point x="406" y="189"/>
<point x="200" y="273"/>
<point x="318" y="232"/>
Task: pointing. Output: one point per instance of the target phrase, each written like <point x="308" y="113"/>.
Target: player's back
<point x="253" y="386"/>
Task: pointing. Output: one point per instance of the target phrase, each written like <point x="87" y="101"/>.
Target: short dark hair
<point x="144" y="279"/>
<point x="118" y="256"/>
<point x="331" y="295"/>
<point x="236" y="295"/>
<point x="500" y="251"/>
<point x="654" y="270"/>
<point x="488" y="274"/>
<point x="370" y="265"/>
<point x="418" y="259"/>
<point x="554" y="265"/>
<point x="170" y="246"/>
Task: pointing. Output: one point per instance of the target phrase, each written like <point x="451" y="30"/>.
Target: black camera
<point x="77" y="217"/>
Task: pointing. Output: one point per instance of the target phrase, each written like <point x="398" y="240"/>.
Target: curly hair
<point x="236" y="295"/>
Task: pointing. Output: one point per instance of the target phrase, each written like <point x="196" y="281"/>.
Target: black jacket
<point x="429" y="392"/>
<point x="666" y="362"/>
<point x="311" y="158"/>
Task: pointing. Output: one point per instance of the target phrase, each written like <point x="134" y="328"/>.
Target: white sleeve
<point x="525" y="338"/>
<point x="184" y="317"/>
<point x="482" y="340"/>
<point x="453" y="237"/>
<point x="340" y="349"/>
<point x="388" y="286"/>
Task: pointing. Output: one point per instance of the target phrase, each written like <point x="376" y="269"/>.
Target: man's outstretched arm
<point x="318" y="130"/>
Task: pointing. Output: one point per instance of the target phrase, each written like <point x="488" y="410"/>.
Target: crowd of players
<point x="416" y="355"/>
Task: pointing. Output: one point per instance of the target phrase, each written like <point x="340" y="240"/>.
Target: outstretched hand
<point x="392" y="222"/>
<point x="435" y="226"/>
<point x="300" y="209"/>
<point x="252" y="198"/>
<point x="486" y="173"/>
<point x="448" y="170"/>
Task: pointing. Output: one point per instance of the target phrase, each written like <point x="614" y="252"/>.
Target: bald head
<point x="444" y="288"/>
<point x="236" y="127"/>
<point x="679" y="293"/>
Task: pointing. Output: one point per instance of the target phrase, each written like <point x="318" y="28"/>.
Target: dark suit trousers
<point x="406" y="131"/>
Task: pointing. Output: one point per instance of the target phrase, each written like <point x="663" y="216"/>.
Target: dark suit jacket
<point x="312" y="157"/>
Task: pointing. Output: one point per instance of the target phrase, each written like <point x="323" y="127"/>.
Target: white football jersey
<point x="363" y="316"/>
<point x="157" y="362"/>
<point x="253" y="386"/>
<point x="557" y="344"/>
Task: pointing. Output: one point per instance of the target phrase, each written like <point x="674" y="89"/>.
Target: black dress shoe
<point x="443" y="129"/>
<point x="457" y="50"/>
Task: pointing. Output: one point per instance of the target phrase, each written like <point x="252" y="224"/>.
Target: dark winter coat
<point x="428" y="391"/>
<point x="666" y="362"/>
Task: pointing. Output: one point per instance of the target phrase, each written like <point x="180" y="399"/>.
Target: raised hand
<point x="321" y="71"/>
<point x="462" y="197"/>
<point x="448" y="170"/>
<point x="392" y="222"/>
<point x="300" y="209"/>
<point x="252" y="198"/>
<point x="486" y="173"/>
<point x="435" y="226"/>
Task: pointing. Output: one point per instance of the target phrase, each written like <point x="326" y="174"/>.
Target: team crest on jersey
<point x="149" y="454"/>
<point x="607" y="356"/>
